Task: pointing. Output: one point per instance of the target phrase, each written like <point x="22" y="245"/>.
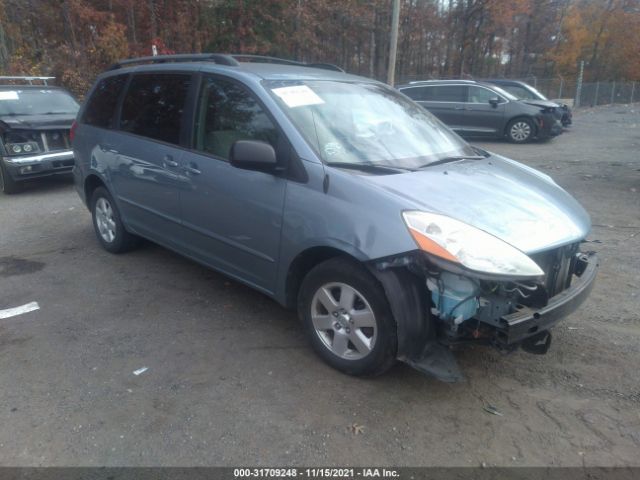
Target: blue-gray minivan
<point x="335" y="195"/>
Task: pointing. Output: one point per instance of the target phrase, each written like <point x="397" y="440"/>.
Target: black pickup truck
<point x="35" y="124"/>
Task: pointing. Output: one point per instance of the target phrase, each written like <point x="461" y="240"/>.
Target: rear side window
<point x="227" y="112"/>
<point x="101" y="107"/>
<point x="450" y="93"/>
<point x="416" y="93"/>
<point x="154" y="105"/>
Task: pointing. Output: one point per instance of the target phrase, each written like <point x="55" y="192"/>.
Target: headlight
<point x="468" y="246"/>
<point x="23" y="148"/>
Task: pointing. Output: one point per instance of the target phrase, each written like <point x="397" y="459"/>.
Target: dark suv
<point x="337" y="196"/>
<point x="478" y="109"/>
<point x="527" y="93"/>
<point x="35" y="122"/>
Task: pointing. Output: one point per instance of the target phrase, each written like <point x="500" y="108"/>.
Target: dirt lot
<point x="230" y="377"/>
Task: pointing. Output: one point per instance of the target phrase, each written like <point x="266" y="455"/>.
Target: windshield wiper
<point x="453" y="158"/>
<point x="369" y="167"/>
<point x="480" y="151"/>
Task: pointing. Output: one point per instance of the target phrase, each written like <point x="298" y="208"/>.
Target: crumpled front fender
<point x="416" y="329"/>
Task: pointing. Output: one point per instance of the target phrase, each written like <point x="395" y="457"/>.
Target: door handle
<point x="459" y="108"/>
<point x="192" y="168"/>
<point x="168" y="161"/>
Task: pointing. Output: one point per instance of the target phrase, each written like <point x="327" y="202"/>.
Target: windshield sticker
<point x="298" y="96"/>
<point x="9" y="95"/>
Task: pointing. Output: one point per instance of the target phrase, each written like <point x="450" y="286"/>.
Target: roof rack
<point x="241" y="57"/>
<point x="187" y="57"/>
<point x="27" y="80"/>
<point x="266" y="59"/>
<point x="462" y="80"/>
<point x="230" y="60"/>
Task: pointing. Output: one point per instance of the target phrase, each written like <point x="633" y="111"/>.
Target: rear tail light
<point x="72" y="132"/>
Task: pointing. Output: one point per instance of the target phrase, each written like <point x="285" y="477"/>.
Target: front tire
<point x="521" y="130"/>
<point x="347" y="318"/>
<point x="7" y="184"/>
<point x="108" y="225"/>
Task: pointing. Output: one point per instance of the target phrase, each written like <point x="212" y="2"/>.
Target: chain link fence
<point x="591" y="93"/>
<point x="566" y="89"/>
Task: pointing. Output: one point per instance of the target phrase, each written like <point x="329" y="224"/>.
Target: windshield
<point x="365" y="123"/>
<point x="524" y="92"/>
<point x="36" y="102"/>
<point x="537" y="93"/>
<point x="504" y="93"/>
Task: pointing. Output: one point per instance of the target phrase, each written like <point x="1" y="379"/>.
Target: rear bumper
<point x="35" y="166"/>
<point x="527" y="322"/>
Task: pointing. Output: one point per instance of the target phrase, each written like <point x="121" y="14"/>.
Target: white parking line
<point x="12" y="312"/>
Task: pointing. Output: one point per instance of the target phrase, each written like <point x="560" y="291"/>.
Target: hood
<point x="511" y="201"/>
<point x="38" y="122"/>
<point x="541" y="103"/>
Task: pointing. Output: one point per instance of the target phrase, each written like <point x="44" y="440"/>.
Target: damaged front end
<point x="439" y="304"/>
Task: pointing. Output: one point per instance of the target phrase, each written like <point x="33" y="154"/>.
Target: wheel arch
<point x="409" y="303"/>
<point x="302" y="264"/>
<point x="91" y="182"/>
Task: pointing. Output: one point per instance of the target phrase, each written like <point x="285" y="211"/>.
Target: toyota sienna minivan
<point x="337" y="196"/>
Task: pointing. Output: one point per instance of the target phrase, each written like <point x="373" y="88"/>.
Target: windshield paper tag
<point x="9" y="95"/>
<point x="298" y="96"/>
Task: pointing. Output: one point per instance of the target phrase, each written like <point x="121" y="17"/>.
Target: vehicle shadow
<point x="48" y="184"/>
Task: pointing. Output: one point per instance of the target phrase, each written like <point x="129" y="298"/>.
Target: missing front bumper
<point x="528" y="322"/>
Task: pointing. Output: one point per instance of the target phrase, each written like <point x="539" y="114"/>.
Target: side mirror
<point x="494" y="102"/>
<point x="253" y="155"/>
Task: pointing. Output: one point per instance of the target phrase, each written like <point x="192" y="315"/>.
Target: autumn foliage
<point x="76" y="39"/>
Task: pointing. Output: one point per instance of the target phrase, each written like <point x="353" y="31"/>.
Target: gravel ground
<point x="230" y="377"/>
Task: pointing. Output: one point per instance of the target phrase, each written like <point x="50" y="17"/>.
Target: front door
<point x="481" y="117"/>
<point x="233" y="217"/>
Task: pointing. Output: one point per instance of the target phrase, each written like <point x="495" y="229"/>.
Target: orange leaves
<point x="606" y="35"/>
<point x="76" y="39"/>
<point x="112" y="44"/>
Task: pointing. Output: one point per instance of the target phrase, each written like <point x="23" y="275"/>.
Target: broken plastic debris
<point x="140" y="371"/>
<point x="356" y="429"/>
<point x="492" y="410"/>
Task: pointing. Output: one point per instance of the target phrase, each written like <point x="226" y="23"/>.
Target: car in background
<point x="337" y="196"/>
<point x="35" y="123"/>
<point x="478" y="109"/>
<point x="527" y="93"/>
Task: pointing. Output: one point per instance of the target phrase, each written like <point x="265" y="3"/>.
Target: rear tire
<point x="7" y="184"/>
<point x="521" y="130"/>
<point x="108" y="225"/>
<point x="347" y="318"/>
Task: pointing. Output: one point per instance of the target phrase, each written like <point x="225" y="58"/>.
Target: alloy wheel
<point x="344" y="320"/>
<point x="520" y="131"/>
<point x="105" y="220"/>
